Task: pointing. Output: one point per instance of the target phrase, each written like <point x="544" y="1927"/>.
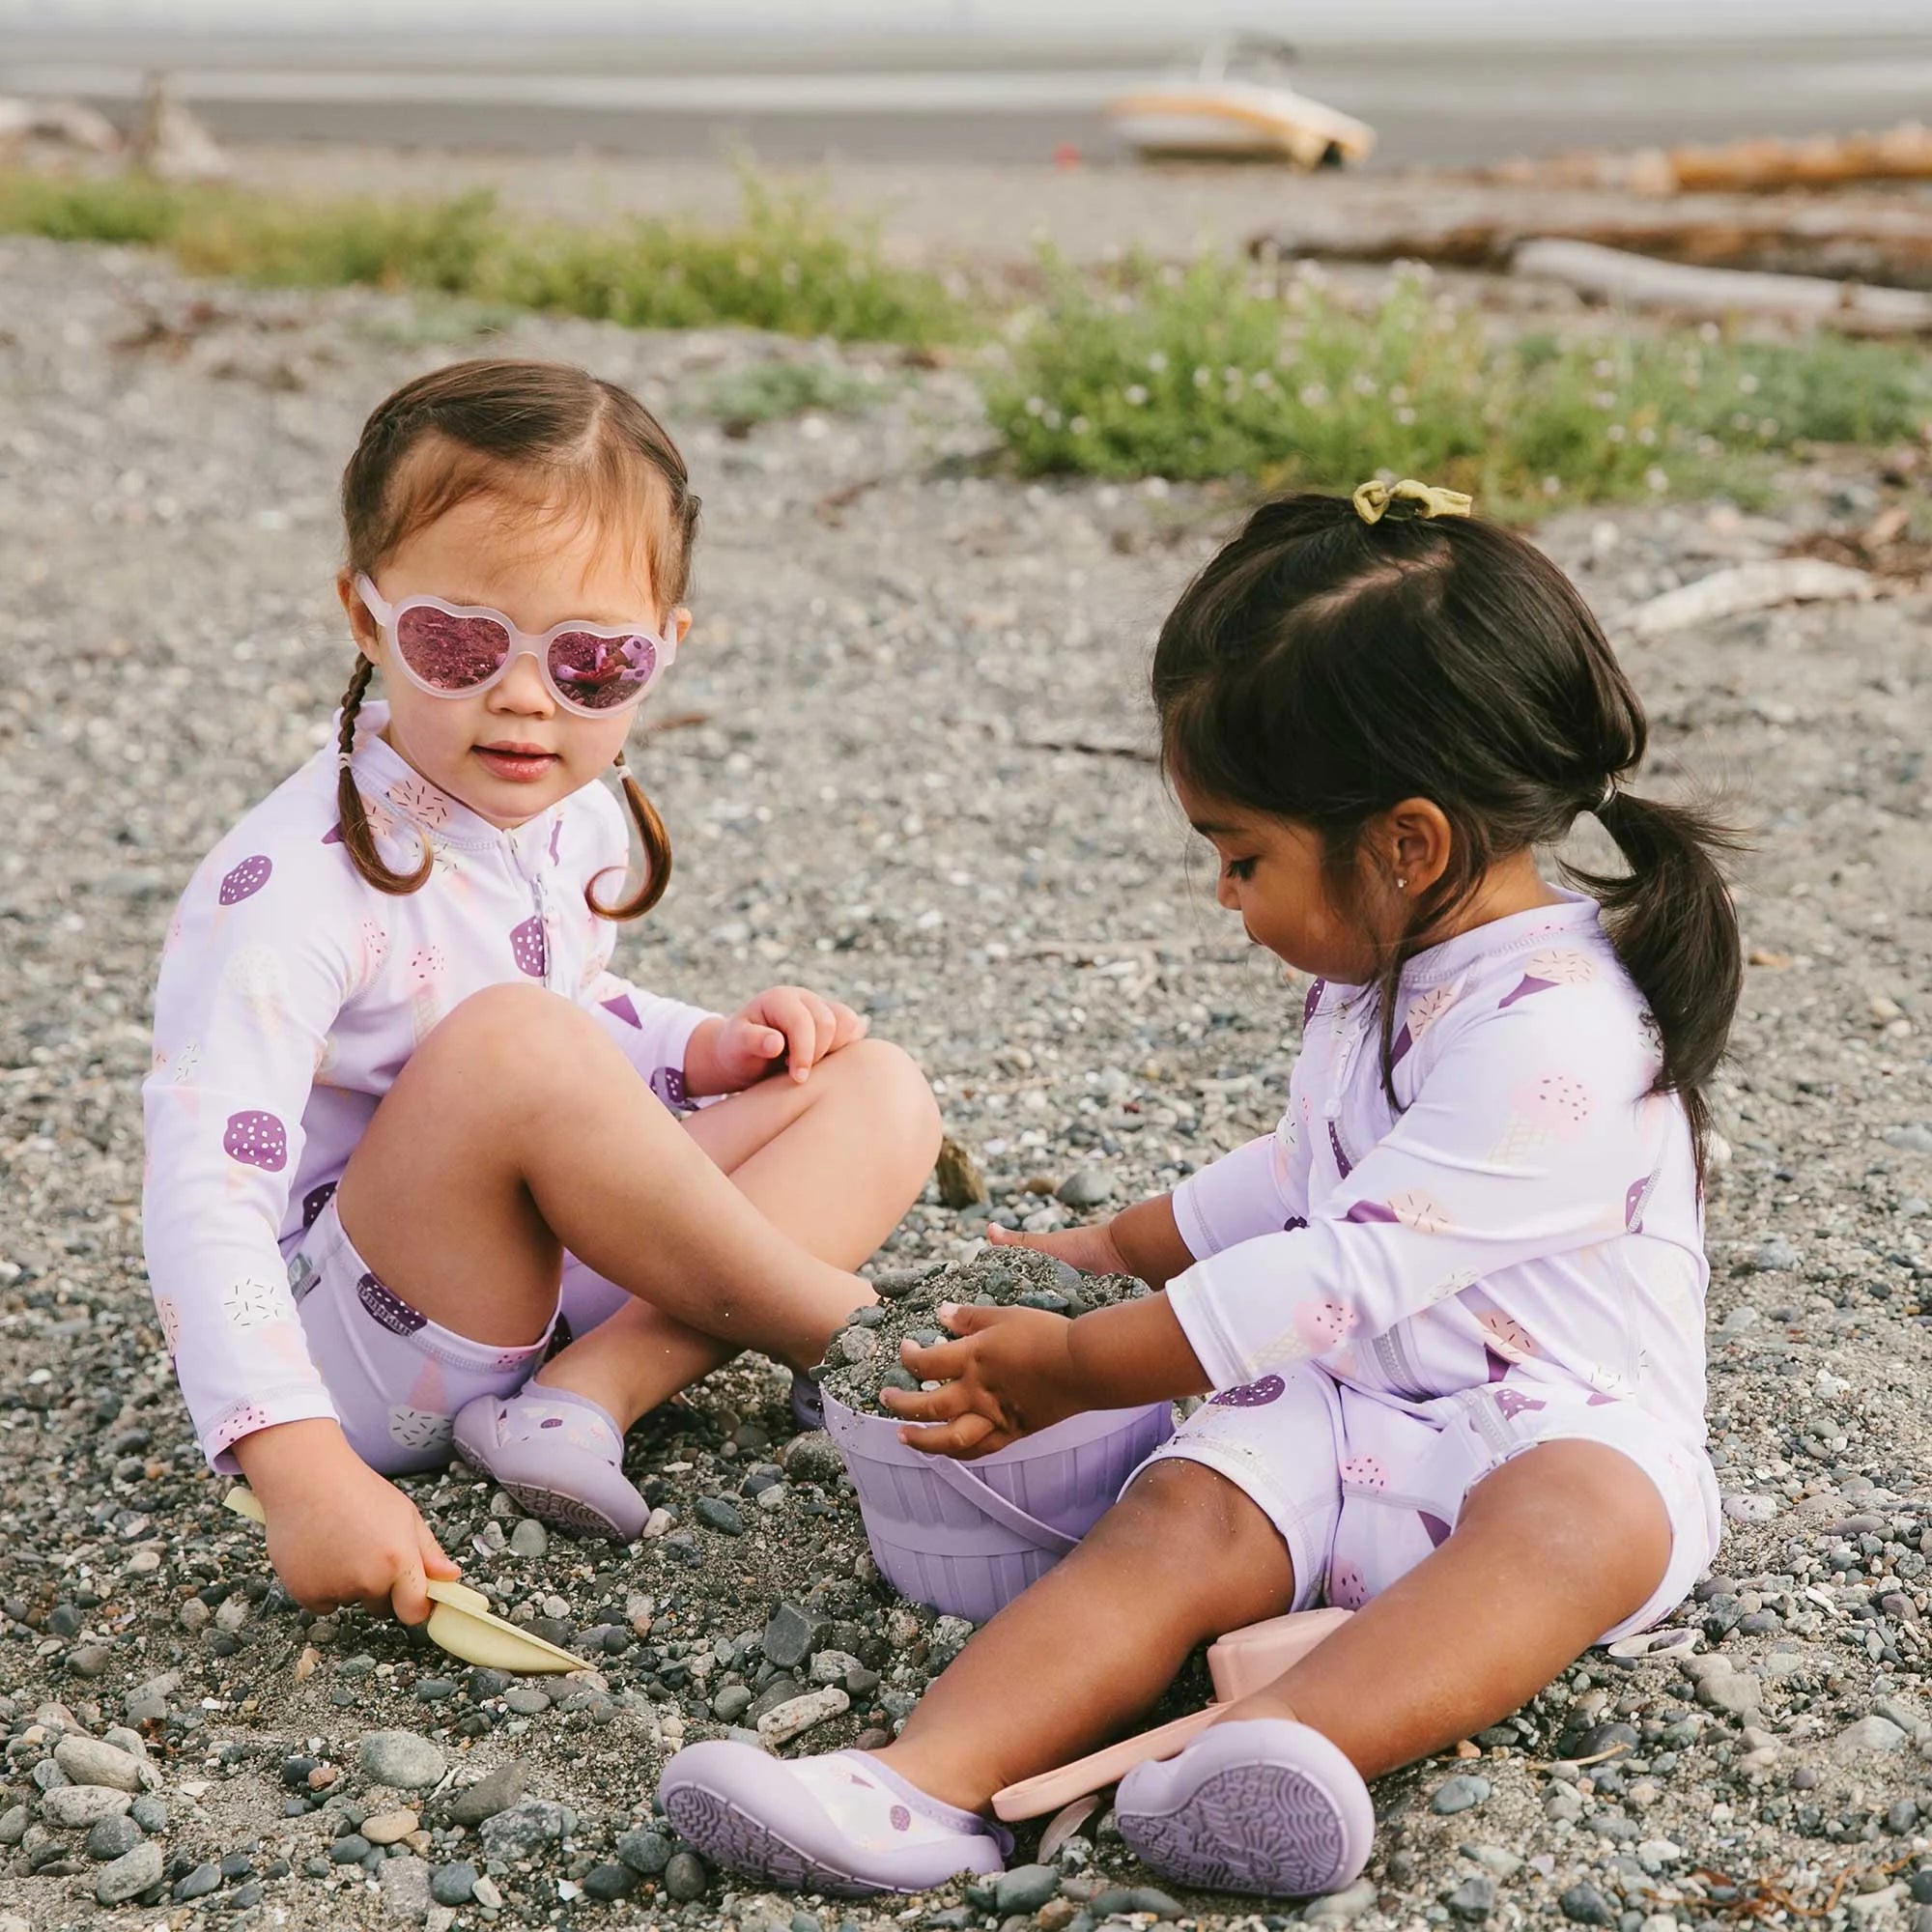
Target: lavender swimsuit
<point x="1393" y="1301"/>
<point x="290" y="995"/>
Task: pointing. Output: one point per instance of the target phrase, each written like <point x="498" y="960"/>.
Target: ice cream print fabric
<point x="290" y="994"/>
<point x="1512" y="1252"/>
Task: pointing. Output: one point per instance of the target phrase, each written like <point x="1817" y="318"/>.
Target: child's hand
<point x="783" y="1023"/>
<point x="339" y="1533"/>
<point x="1010" y="1373"/>
<point x="1092" y="1249"/>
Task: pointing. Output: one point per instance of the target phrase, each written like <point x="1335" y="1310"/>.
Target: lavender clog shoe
<point x="843" y="1824"/>
<point x="560" y="1455"/>
<point x="1257" y="1806"/>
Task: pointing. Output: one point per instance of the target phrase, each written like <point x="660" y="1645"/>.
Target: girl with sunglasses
<point x="423" y="1174"/>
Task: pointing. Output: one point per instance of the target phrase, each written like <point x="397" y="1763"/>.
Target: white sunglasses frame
<point x="523" y="643"/>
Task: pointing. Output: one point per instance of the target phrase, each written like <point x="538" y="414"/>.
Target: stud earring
<point x="1401" y="885"/>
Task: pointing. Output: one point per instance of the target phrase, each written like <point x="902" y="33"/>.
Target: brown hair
<point x="565" y="440"/>
<point x="1321" y="670"/>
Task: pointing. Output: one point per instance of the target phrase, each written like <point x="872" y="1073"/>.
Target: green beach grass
<point x="1222" y="369"/>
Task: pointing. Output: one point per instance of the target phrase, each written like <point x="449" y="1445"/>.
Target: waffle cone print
<point x="1424" y="1011"/>
<point x="255" y="975"/>
<point x="1544" y="1113"/>
<point x="1506" y="1341"/>
<point x="1558" y="967"/>
<point x="419" y="800"/>
<point x="426" y="970"/>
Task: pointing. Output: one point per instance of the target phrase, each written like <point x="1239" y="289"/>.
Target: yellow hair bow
<point x="1373" y="501"/>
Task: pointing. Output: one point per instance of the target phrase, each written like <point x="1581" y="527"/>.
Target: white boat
<point x="1237" y="105"/>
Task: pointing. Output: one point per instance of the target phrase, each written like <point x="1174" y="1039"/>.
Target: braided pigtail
<point x="358" y="840"/>
<point x="657" y="853"/>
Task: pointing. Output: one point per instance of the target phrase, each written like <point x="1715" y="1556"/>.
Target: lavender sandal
<point x="1257" y="1806"/>
<point x="560" y="1455"/>
<point x="842" y="1824"/>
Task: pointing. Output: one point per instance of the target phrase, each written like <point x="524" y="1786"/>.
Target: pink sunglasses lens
<point x="452" y="653"/>
<point x="602" y="674"/>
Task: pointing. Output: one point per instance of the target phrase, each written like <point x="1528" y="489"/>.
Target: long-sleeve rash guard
<point x="291" y="993"/>
<point x="1528" y="1208"/>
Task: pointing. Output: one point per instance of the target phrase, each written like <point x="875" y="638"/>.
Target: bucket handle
<point x="959" y="1478"/>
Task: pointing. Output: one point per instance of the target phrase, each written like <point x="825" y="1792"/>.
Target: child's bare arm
<point x="1143" y="1240"/>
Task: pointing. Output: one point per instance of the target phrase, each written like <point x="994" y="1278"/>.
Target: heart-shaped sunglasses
<point x="455" y="650"/>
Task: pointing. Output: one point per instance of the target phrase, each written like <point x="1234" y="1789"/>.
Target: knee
<point x="517" y="1034"/>
<point x="898" y="1097"/>
<point x="1192" y="1513"/>
<point x="1586" y="1509"/>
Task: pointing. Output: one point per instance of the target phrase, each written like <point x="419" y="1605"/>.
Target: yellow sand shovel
<point x="461" y="1622"/>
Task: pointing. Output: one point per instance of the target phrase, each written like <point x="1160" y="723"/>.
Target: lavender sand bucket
<point x="968" y="1537"/>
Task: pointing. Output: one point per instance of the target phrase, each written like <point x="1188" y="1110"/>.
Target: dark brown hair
<point x="1322" y="669"/>
<point x="558" y="437"/>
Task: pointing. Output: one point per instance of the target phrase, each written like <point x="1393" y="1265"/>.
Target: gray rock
<point x="1025" y="1888"/>
<point x="814" y="1458"/>
<point x="130" y="1875"/>
<point x="523" y="1829"/>
<point x="731" y="1703"/>
<point x="495" y="1792"/>
<point x="685" y="1876"/>
<point x="645" y="1852"/>
<point x="607" y="1883"/>
<point x="1474" y="1899"/>
<point x="530" y="1538"/>
<point x="197" y="1884"/>
<point x="715" y="1513"/>
<point x="1459" y="1794"/>
<point x="526" y="1701"/>
<point x="150" y="1812"/>
<point x="1341" y="1907"/>
<point x="90" y="1659"/>
<point x="89" y="1761"/>
<point x="350" y="1850"/>
<point x="1585" y="1905"/>
<point x="1088" y="1187"/>
<point x="112" y="1838"/>
<point x="1869" y="1736"/>
<point x="1776" y="1256"/>
<point x="404" y="1884"/>
<point x="787" y="1639"/>
<point x="73" y="1807"/>
<point x="401" y="1760"/>
<point x="1737" y="1693"/>
<point x="12" y="1824"/>
<point x="453" y="1883"/>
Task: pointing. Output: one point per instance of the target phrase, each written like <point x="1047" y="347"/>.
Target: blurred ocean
<point x="968" y="80"/>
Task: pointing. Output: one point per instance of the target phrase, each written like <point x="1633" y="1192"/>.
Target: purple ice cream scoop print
<point x="668" y="1083"/>
<point x="1635" y="1196"/>
<point x="256" y="1139"/>
<point x="247" y="879"/>
<point x="315" y="1201"/>
<point x="388" y="1308"/>
<point x="1313" y="1000"/>
<point x="1253" y="1395"/>
<point x="1344" y="1166"/>
<point x="527" y="947"/>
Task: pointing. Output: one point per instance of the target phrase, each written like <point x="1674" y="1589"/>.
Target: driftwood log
<point x="1613" y="275"/>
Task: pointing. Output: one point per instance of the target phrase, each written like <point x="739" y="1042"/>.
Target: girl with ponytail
<point x="424" y="1174"/>
<point x="1449" y="1312"/>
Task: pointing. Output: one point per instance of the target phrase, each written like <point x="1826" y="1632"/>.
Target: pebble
<point x="731" y="1703"/>
<point x="388" y="1828"/>
<point x="405" y="1887"/>
<point x="715" y="1513"/>
<point x="402" y="1760"/>
<point x="814" y="1458"/>
<point x="1585" y="1905"/>
<point x="787" y="1637"/>
<point x="1869" y="1737"/>
<point x="130" y="1875"/>
<point x="1341" y="1907"/>
<point x="150" y="1812"/>
<point x="1737" y="1693"/>
<point x="453" y="1883"/>
<point x="645" y="1852"/>
<point x="73" y="1806"/>
<point x="112" y="1837"/>
<point x="1474" y="1899"/>
<point x="797" y="1715"/>
<point x="526" y="1701"/>
<point x="1459" y="1794"/>
<point x="1025" y="1888"/>
<point x="488" y="1894"/>
<point x="90" y="1761"/>
<point x="606" y="1883"/>
<point x="1088" y="1187"/>
<point x="197" y="1884"/>
<point x="523" y="1829"/>
<point x="685" y="1876"/>
<point x="495" y="1791"/>
<point x="349" y="1850"/>
<point x="530" y="1538"/>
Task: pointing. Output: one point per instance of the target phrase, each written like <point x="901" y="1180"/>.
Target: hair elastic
<point x="1375" y="499"/>
<point x="344" y="759"/>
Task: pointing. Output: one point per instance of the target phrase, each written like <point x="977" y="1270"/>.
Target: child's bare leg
<point x="1181" y="1557"/>
<point x="1552" y="1550"/>
<point x="519" y="1129"/>
<point x="833" y="1163"/>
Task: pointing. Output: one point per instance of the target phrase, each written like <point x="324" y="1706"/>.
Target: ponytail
<point x="1675" y="928"/>
<point x="657" y="853"/>
<point x="358" y="840"/>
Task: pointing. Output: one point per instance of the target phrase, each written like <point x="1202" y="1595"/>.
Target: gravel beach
<point x="903" y="760"/>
